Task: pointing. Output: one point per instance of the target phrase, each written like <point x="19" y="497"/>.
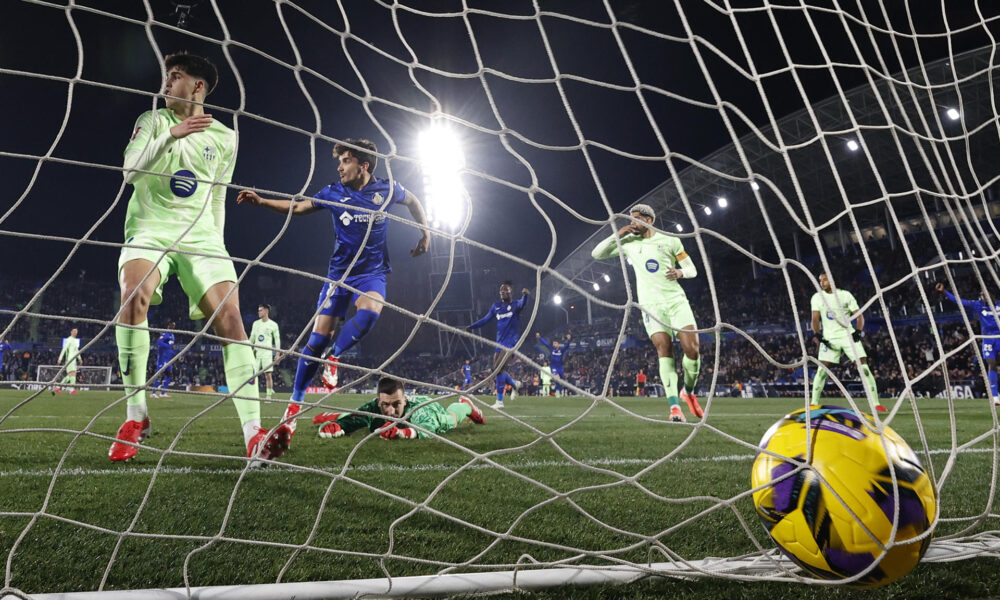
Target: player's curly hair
<point x="265" y="306"/>
<point x="362" y="156"/>
<point x="195" y="66"/>
<point x="389" y="385"/>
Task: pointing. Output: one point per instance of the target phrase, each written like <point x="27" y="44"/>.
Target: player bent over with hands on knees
<point x="419" y="417"/>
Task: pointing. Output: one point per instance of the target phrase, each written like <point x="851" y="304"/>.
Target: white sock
<point x="136" y="412"/>
<point x="250" y="429"/>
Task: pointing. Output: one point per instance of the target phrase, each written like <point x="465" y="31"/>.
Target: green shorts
<point x="195" y="272"/>
<point x="667" y="317"/>
<point x="841" y="345"/>
<point x="71" y="366"/>
<point x="263" y="361"/>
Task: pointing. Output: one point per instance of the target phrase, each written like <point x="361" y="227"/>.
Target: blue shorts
<point x="990" y="347"/>
<point x="159" y="365"/>
<point x="559" y="372"/>
<point x="338" y="303"/>
<point x="467" y="381"/>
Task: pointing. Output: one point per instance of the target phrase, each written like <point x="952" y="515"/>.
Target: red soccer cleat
<point x="289" y="419"/>
<point x="73" y="392"/>
<point x="130" y="431"/>
<point x="880" y="408"/>
<point x="476" y="416"/>
<point x="330" y="373"/>
<point x="325" y="417"/>
<point x="269" y="445"/>
<point x="676" y="414"/>
<point x="692" y="402"/>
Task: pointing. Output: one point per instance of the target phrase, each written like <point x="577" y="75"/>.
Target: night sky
<point x="117" y="57"/>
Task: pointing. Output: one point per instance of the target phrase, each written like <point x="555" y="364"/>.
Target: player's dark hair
<point x="507" y="282"/>
<point x="362" y="156"/>
<point x="195" y="66"/>
<point x="266" y="307"/>
<point x="389" y="385"/>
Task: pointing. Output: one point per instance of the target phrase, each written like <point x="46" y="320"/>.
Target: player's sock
<point x="133" y="354"/>
<point x="460" y="410"/>
<point x="668" y="375"/>
<point x="307" y="368"/>
<point x="354" y="330"/>
<point x="165" y="382"/>
<point x="501" y="385"/>
<point x="993" y="384"/>
<point x="819" y="381"/>
<point x="508" y="379"/>
<point x="237" y="360"/>
<point x="249" y="430"/>
<point x="270" y="392"/>
<point x="869" y="377"/>
<point x="692" y="367"/>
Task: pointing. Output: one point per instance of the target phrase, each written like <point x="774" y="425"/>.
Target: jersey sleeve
<point x="545" y="342"/>
<point x="483" y="321"/>
<point x="354" y="421"/>
<point x="146" y="146"/>
<point x="398" y="194"/>
<point x="607" y="248"/>
<point x="323" y="194"/>
<point x="816" y="303"/>
<point x="62" y="352"/>
<point x="852" y="305"/>
<point x="276" y="336"/>
<point x="521" y="302"/>
<point x="225" y="177"/>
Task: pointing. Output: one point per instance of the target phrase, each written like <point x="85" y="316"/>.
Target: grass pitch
<point x="585" y="482"/>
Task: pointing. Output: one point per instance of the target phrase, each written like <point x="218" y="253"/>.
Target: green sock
<point x="65" y="380"/>
<point x="819" y="381"/>
<point x="72" y="379"/>
<point x="691" y="370"/>
<point x="270" y="392"/>
<point x="668" y="375"/>
<point x="237" y="360"/>
<point x="133" y="354"/>
<point x="866" y="374"/>
<point x="460" y="410"/>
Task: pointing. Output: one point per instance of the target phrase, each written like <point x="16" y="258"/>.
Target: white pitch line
<point x="599" y="462"/>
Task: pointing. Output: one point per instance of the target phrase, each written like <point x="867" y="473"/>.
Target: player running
<point x="831" y="323"/>
<point x="164" y="353"/>
<point x="179" y="161"/>
<point x="71" y="352"/>
<point x="666" y="312"/>
<point x="507" y="313"/>
<point x="419" y="417"/>
<point x="357" y="203"/>
<point x="988" y="329"/>
<point x="556" y="352"/>
<point x="264" y="332"/>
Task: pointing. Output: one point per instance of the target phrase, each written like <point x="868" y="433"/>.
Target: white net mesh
<point x="856" y="140"/>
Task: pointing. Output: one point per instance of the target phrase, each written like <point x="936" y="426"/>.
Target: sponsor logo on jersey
<point x="505" y="315"/>
<point x="346" y="199"/>
<point x="260" y="337"/>
<point x="377" y="198"/>
<point x="345" y="218"/>
<point x="182" y="188"/>
<point x="208" y="153"/>
<point x="652" y="266"/>
<point x="830" y="315"/>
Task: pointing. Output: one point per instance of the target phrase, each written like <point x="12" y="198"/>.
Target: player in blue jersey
<point x="164" y="352"/>
<point x="5" y="347"/>
<point x="988" y="328"/>
<point x="506" y="312"/>
<point x="556" y="353"/>
<point x="466" y="375"/>
<point x="357" y="203"/>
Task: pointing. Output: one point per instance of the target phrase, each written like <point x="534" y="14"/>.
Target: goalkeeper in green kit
<point x="417" y="417"/>
<point x="179" y="161"/>
<point x="666" y="313"/>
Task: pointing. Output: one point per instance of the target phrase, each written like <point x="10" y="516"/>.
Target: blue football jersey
<point x="507" y="316"/>
<point x="165" y="347"/>
<point x="352" y="225"/>
<point x="555" y="355"/>
<point x="987" y="322"/>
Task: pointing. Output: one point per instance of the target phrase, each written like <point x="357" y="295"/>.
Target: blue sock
<point x="993" y="383"/>
<point x="500" y="387"/>
<point x="165" y="382"/>
<point x="307" y="368"/>
<point x="354" y="330"/>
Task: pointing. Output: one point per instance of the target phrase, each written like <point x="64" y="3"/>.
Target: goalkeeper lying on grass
<point x="420" y="416"/>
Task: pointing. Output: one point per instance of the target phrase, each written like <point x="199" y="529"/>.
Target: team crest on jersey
<point x="208" y="153"/>
<point x="652" y="266"/>
<point x="182" y="188"/>
<point x="377" y="198"/>
<point x="345" y="218"/>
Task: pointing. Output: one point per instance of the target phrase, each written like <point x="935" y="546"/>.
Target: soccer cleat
<point x="147" y="429"/>
<point x="73" y="392"/>
<point x="880" y="408"/>
<point x="692" y="402"/>
<point x="498" y="405"/>
<point x="513" y="390"/>
<point x="289" y="418"/>
<point x="269" y="445"/>
<point x="325" y="417"/>
<point x="130" y="431"/>
<point x="58" y="390"/>
<point x="330" y="373"/>
<point x="996" y="401"/>
<point x="476" y="416"/>
<point x="676" y="414"/>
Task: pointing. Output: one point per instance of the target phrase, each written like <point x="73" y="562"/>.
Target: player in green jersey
<point x="179" y="162"/>
<point x="396" y="417"/>
<point x="832" y="313"/>
<point x="655" y="258"/>
<point x="71" y="352"/>
<point x="266" y="338"/>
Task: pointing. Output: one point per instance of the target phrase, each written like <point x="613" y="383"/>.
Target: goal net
<point x="87" y="377"/>
<point x="776" y="142"/>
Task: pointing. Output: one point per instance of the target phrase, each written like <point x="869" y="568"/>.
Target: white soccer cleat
<point x="330" y="373"/>
<point x="513" y="390"/>
<point x="498" y="405"/>
<point x="996" y="401"/>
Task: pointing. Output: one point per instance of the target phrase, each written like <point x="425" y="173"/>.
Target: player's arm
<point x="520" y="302"/>
<point x="144" y="149"/>
<point x="334" y="425"/>
<point x="416" y="209"/>
<point x="816" y="327"/>
<point x="609" y="248"/>
<point x="301" y="207"/>
<point x="973" y="304"/>
<point x="544" y="341"/>
<point x="686" y="269"/>
<point x="483" y="321"/>
<point x="62" y="353"/>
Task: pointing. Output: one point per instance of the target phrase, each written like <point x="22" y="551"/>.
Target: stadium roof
<point x="808" y="165"/>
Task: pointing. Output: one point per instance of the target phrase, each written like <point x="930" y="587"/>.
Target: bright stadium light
<point x="953" y="114"/>
<point x="852" y="145"/>
<point x="442" y="159"/>
<point x="597" y="288"/>
<point x="755" y="185"/>
<point x="557" y="299"/>
<point x="679" y="227"/>
<point x="723" y="203"/>
<point x="707" y="209"/>
<point x="607" y="278"/>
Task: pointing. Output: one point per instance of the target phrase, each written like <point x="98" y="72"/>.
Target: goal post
<point x="87" y="376"/>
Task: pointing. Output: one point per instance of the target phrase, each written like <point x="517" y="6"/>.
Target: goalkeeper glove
<point x="331" y="430"/>
<point x="325" y="417"/>
<point x="858" y="334"/>
<point x="396" y="432"/>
